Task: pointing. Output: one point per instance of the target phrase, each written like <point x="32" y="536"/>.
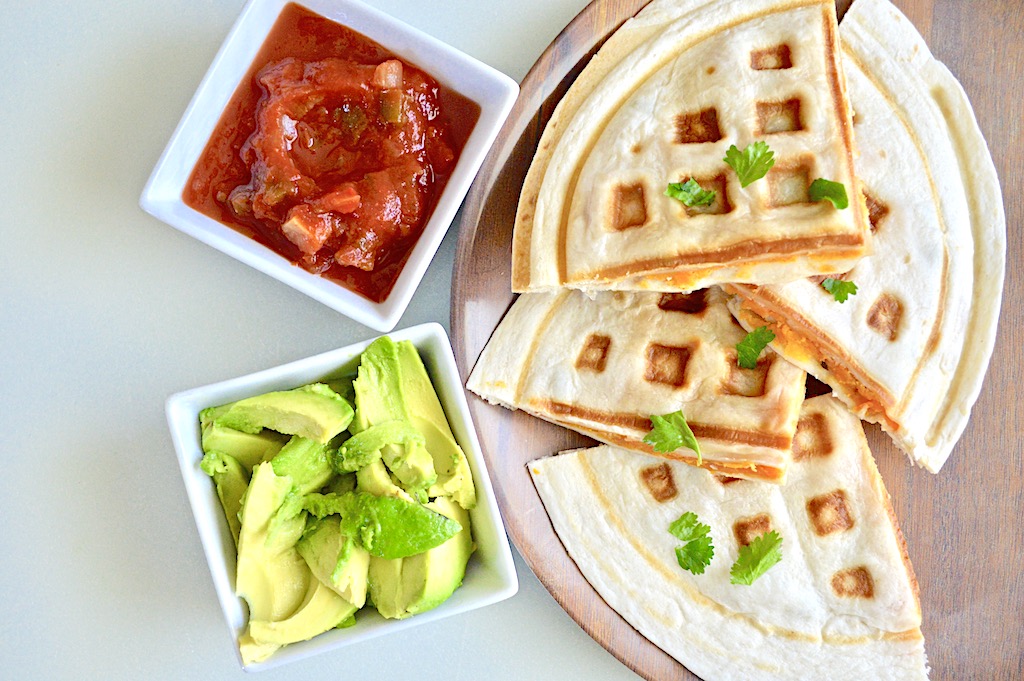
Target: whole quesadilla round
<point x="603" y="364"/>
<point x="663" y="103"/>
<point x="841" y="604"/>
<point x="909" y="348"/>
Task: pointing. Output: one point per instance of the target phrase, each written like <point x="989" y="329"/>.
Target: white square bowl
<point x="490" y="574"/>
<point x="491" y="90"/>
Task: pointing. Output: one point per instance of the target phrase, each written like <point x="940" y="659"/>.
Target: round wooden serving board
<point x="963" y="527"/>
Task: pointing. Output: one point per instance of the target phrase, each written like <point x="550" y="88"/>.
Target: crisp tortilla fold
<point x="602" y="365"/>
<point x="661" y="102"/>
<point x="909" y="351"/>
<point x="841" y="605"/>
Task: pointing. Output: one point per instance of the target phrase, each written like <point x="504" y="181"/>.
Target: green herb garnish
<point x="690" y="193"/>
<point x="696" y="552"/>
<point x="670" y="432"/>
<point x="756" y="558"/>
<point x="749" y="349"/>
<point x="839" y="288"/>
<point x="827" y="190"/>
<point x="752" y="163"/>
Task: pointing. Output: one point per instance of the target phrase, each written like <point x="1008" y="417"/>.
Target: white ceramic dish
<point x="490" y="575"/>
<point x="493" y="91"/>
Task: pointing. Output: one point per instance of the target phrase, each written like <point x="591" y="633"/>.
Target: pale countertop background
<point x="107" y="311"/>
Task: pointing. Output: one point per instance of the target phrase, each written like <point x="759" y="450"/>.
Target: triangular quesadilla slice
<point x="662" y="103"/>
<point x="841" y="604"/>
<point x="910" y="348"/>
<point x="603" y="365"/>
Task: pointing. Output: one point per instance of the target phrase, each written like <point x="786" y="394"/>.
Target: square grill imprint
<point x="771" y="58"/>
<point x="746" y="382"/>
<point x="666" y="364"/>
<point x="698" y="128"/>
<point x="747" y="530"/>
<point x="829" y="513"/>
<point x="853" y="583"/>
<point x="788" y="185"/>
<point x="629" y="207"/>
<point x="594" y="355"/>
<point x="720" y="205"/>
<point x="812" y="438"/>
<point x="776" y="117"/>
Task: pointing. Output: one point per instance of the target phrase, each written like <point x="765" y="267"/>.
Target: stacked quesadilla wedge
<point x="841" y="604"/>
<point x="602" y="365"/>
<point x="663" y="102"/>
<point x="909" y="350"/>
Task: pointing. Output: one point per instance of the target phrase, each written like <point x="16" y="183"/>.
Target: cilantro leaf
<point x="827" y="190"/>
<point x="840" y="289"/>
<point x="688" y="527"/>
<point x="697" y="551"/>
<point x="756" y="558"/>
<point x="670" y="432"/>
<point x="749" y="349"/>
<point x="690" y="193"/>
<point x="752" y="163"/>
<point x="695" y="555"/>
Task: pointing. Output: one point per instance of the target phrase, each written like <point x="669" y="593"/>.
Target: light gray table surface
<point x="107" y="311"/>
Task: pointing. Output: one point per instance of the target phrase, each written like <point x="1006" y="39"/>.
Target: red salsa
<point x="332" y="152"/>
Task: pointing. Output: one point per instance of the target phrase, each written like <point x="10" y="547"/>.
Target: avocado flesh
<point x="322" y="610"/>
<point x="402" y="587"/>
<point x="380" y="398"/>
<point x="271" y="575"/>
<point x="306" y="462"/>
<point x="248" y="449"/>
<point x="374" y="479"/>
<point x="335" y="559"/>
<point x="454" y="478"/>
<point x="312" y="411"/>
<point x="429" y="578"/>
<point x="231" y="481"/>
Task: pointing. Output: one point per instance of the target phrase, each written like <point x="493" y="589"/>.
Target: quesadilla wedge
<point x="909" y="350"/>
<point x="603" y="365"/>
<point x="841" y="604"/>
<point x="663" y="102"/>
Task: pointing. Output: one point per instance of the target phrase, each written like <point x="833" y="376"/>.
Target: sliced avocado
<point x="231" y="481"/>
<point x="307" y="462"/>
<point x="380" y="399"/>
<point x="385" y="583"/>
<point x="405" y="586"/>
<point x="454" y="478"/>
<point x="321" y="610"/>
<point x="313" y="411"/>
<point x="335" y="559"/>
<point x="429" y="578"/>
<point x="271" y="576"/>
<point x="365" y="447"/>
<point x="339" y="484"/>
<point x="374" y="479"/>
<point x="385" y="526"/>
<point x="248" y="449"/>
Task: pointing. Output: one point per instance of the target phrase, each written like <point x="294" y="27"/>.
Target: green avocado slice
<point x="380" y="398"/>
<point x="321" y="610"/>
<point x="406" y="586"/>
<point x="313" y="411"/>
<point x="231" y="481"/>
<point x="387" y="527"/>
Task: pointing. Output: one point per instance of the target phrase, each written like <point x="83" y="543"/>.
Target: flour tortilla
<point x="791" y="623"/>
<point x="620" y="135"/>
<point x="909" y="351"/>
<point x="602" y="365"/>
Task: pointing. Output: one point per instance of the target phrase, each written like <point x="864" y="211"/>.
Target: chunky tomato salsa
<point x="332" y="152"/>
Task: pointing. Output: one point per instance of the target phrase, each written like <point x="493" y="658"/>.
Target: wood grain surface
<point x="962" y="527"/>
